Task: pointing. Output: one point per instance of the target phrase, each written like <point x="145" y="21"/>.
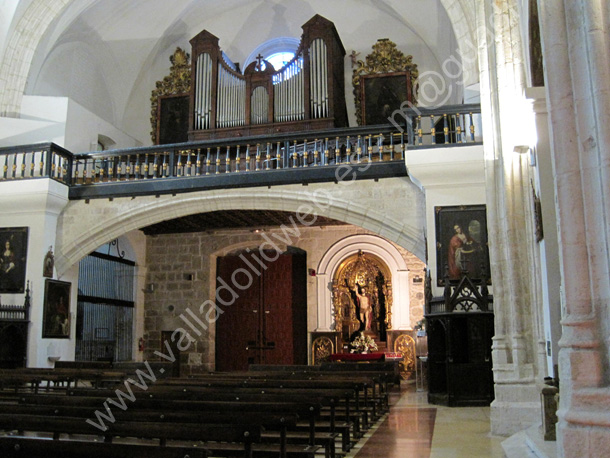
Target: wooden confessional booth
<point x="460" y="327"/>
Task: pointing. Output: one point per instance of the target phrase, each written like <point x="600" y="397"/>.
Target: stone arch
<point x="462" y="14"/>
<point x="20" y="50"/>
<point x="349" y="246"/>
<point x="83" y="226"/>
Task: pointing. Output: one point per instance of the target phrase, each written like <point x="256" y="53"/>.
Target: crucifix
<point x="259" y="60"/>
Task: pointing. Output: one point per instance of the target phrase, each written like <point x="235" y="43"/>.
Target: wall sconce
<point x="150" y="287"/>
<point x="524" y="149"/>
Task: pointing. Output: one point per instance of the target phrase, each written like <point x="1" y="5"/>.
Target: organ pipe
<point x="307" y="88"/>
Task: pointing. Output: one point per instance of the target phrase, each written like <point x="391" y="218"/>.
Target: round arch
<point x="349" y="246"/>
<point x="355" y="206"/>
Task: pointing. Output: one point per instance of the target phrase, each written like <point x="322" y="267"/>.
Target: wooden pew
<point x="235" y="411"/>
<point x="99" y="365"/>
<point x="34" y="378"/>
<point x="191" y="432"/>
<point x="363" y="385"/>
<point x="30" y="447"/>
<point x="311" y="401"/>
<point x="276" y="422"/>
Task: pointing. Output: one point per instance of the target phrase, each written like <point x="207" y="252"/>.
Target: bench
<point x="240" y="437"/>
<point x="164" y="411"/>
<point x="30" y="447"/>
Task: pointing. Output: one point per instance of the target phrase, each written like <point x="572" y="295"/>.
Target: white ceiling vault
<point x="107" y="54"/>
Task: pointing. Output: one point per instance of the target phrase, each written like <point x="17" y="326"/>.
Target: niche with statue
<point x="362" y="298"/>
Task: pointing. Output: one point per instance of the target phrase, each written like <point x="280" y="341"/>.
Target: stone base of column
<point x="584" y="428"/>
<point x="516" y="407"/>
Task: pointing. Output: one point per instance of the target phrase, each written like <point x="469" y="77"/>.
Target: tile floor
<point x="416" y="429"/>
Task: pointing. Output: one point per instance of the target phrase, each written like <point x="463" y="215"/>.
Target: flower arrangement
<point x="363" y="344"/>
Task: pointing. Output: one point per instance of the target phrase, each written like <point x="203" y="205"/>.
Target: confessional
<point x="14" y="324"/>
<point x="460" y="326"/>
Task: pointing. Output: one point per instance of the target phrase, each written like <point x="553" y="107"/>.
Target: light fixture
<point x="524" y="149"/>
<point x="521" y="149"/>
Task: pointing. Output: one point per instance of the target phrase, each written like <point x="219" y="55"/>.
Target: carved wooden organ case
<point x="373" y="275"/>
<point x="308" y="93"/>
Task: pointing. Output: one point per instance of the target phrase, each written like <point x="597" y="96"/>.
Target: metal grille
<point x="104" y="328"/>
<point x="106" y="277"/>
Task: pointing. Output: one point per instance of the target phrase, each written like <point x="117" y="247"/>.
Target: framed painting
<point x="56" y="310"/>
<point x="461" y="244"/>
<point x="173" y="119"/>
<point x="382" y="94"/>
<point x="14" y="242"/>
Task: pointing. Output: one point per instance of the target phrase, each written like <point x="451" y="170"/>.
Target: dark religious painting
<point x="461" y="243"/>
<point x="382" y="94"/>
<point x="56" y="310"/>
<point x="173" y="119"/>
<point x="14" y="242"/>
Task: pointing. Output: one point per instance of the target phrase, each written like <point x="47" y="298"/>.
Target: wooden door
<point x="266" y="322"/>
<point x="238" y="326"/>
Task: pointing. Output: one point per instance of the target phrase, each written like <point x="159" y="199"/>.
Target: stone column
<point x="513" y="254"/>
<point x="576" y="43"/>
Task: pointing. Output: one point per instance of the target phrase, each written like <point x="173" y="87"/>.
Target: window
<point x="279" y="59"/>
<point x="278" y="51"/>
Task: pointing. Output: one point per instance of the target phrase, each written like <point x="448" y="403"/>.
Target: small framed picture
<point x="56" y="310"/>
<point x="14" y="246"/>
<point x="461" y="244"/>
<point x="173" y="119"/>
<point x="382" y="94"/>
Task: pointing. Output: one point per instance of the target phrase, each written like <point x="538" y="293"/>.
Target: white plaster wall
<point x="83" y="128"/>
<point x="36" y="204"/>
<point x="449" y="177"/>
<point x="61" y="121"/>
<point x="43" y="120"/>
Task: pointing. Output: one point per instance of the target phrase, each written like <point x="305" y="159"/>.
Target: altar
<point x="375" y="356"/>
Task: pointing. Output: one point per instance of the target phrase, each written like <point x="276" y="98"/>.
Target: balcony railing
<point x="245" y="161"/>
<point x="44" y="160"/>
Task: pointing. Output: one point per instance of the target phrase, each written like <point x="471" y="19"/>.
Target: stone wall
<point x="182" y="272"/>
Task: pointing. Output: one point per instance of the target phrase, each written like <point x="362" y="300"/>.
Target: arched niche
<point x="381" y="249"/>
<point x="362" y="296"/>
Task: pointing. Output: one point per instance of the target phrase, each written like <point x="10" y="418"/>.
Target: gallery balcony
<point x="374" y="152"/>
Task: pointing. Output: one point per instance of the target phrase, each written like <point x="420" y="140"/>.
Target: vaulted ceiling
<point x="107" y="55"/>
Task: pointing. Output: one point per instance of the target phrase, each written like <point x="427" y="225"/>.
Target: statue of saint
<point x="365" y="307"/>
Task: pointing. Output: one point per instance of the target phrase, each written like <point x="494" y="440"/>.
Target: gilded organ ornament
<point x="405" y="344"/>
<point x="322" y="348"/>
<point x="381" y="82"/>
<point x="178" y="82"/>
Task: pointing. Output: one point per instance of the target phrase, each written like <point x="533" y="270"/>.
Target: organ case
<point x="308" y="93"/>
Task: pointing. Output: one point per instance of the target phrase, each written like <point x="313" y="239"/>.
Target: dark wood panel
<point x="237" y="327"/>
<point x="267" y="321"/>
<point x="277" y="310"/>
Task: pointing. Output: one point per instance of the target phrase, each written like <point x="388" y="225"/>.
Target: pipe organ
<point x="308" y="93"/>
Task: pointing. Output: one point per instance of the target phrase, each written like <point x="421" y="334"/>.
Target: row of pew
<point x="275" y="411"/>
